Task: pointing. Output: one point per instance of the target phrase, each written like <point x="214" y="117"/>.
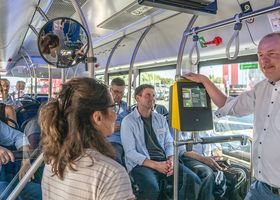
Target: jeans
<point x="206" y="175"/>
<point x="31" y="191"/>
<point x="259" y="191"/>
<point x="119" y="153"/>
<point x="149" y="181"/>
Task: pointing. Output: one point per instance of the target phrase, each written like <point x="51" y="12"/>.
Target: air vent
<point x="187" y="6"/>
<point x="131" y="13"/>
<point x="62" y="8"/>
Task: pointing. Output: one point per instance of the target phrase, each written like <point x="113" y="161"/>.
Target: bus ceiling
<point x="110" y="20"/>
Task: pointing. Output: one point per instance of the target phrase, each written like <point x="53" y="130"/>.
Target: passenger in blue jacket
<point x="148" y="147"/>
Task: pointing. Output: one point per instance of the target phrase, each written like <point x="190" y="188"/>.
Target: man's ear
<point x="97" y="118"/>
<point x="137" y="98"/>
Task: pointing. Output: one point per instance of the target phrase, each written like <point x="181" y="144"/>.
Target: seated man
<point x="117" y="90"/>
<point x="12" y="137"/>
<point x="148" y="147"/>
<point x="20" y="87"/>
<point x="32" y="131"/>
<point x="8" y="115"/>
<point x="201" y="158"/>
<point x="6" y="98"/>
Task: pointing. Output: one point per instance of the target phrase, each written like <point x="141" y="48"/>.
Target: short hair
<point x="6" y="80"/>
<point x="270" y="35"/>
<point x="118" y="82"/>
<point x="138" y="91"/>
<point x="21" y="82"/>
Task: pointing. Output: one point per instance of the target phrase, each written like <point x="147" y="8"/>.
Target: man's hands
<point x="165" y="167"/>
<point x="198" y="78"/>
<point x="6" y="156"/>
<point x="211" y="163"/>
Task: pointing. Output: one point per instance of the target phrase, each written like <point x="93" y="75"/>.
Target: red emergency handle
<point x="217" y="41"/>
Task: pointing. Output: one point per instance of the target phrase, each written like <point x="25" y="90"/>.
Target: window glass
<point x="161" y="80"/>
<point x="43" y="86"/>
<point x="100" y="77"/>
<point x="233" y="79"/>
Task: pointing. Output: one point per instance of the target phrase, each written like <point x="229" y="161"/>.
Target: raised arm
<point x="215" y="94"/>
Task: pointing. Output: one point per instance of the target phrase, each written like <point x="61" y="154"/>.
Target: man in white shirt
<point x="264" y="101"/>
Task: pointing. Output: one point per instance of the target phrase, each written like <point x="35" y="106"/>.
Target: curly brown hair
<point x="67" y="127"/>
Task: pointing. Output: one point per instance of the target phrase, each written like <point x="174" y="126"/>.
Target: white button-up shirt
<point x="264" y="102"/>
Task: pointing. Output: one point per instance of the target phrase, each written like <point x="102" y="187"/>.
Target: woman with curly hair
<point x="79" y="160"/>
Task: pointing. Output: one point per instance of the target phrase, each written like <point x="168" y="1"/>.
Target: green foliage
<point x="155" y="79"/>
<point x="215" y="79"/>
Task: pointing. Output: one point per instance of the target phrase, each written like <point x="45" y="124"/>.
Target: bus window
<point x="161" y="79"/>
<point x="43" y="86"/>
<point x="100" y="77"/>
<point x="233" y="79"/>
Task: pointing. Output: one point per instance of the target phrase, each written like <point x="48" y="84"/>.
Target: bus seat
<point x="25" y="113"/>
<point x="42" y="99"/>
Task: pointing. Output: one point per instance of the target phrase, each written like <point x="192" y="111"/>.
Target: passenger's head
<point x="145" y="96"/>
<point x="48" y="42"/>
<point x="269" y="56"/>
<point x="20" y="85"/>
<point x="117" y="89"/>
<point x="80" y="118"/>
<point x="5" y="87"/>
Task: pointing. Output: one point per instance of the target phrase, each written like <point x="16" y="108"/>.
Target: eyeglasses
<point x="116" y="107"/>
<point x="117" y="92"/>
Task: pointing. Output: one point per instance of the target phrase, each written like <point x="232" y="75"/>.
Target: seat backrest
<point x="25" y="113"/>
<point x="42" y="99"/>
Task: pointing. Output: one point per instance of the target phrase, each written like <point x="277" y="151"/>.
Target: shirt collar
<point x="277" y="83"/>
<point x="137" y="114"/>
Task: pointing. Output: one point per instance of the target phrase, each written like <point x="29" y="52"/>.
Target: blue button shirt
<point x="116" y="137"/>
<point x="133" y="140"/>
<point x="10" y="136"/>
<point x="10" y="100"/>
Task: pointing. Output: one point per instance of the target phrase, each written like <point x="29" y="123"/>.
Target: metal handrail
<point x="131" y="67"/>
<point x="37" y="163"/>
<point x="223" y="23"/>
<point x="183" y="44"/>
<point x="206" y="140"/>
<point x="106" y="78"/>
<point x="84" y="22"/>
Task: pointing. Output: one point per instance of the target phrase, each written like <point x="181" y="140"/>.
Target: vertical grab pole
<point x="106" y="78"/>
<point x="178" y="74"/>
<point x="31" y="68"/>
<point x="50" y="81"/>
<point x="84" y="22"/>
<point x="63" y="75"/>
<point x="132" y="63"/>
<point x="35" y="81"/>
<point x="176" y="165"/>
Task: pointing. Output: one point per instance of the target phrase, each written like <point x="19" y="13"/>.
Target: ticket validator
<point x="190" y="107"/>
<point x="190" y="111"/>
